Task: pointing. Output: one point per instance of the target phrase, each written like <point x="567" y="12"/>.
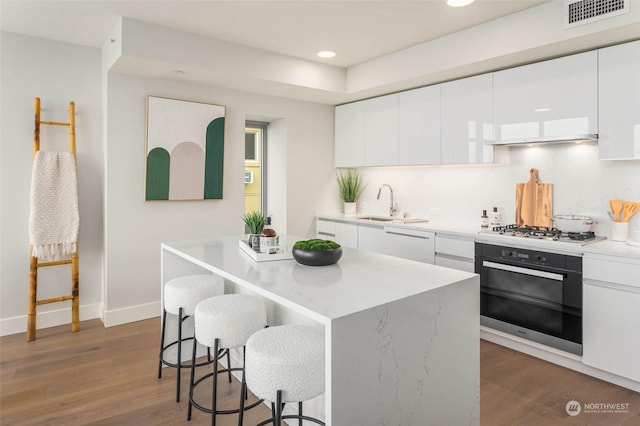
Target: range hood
<point x="549" y="140"/>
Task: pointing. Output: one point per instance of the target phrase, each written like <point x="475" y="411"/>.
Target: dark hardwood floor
<point x="107" y="376"/>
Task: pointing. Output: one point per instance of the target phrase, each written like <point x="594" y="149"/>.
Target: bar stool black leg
<point x="229" y="364"/>
<point x="300" y="413"/>
<point x="243" y="391"/>
<point x="214" y="397"/>
<point x="164" y="323"/>
<point x="279" y="408"/>
<point x="179" y="360"/>
<point x="192" y="377"/>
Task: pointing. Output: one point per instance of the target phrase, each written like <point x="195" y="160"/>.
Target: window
<point x="255" y="138"/>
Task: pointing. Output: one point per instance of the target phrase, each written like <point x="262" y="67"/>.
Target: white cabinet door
<point x="554" y="98"/>
<point x="349" y="135"/>
<point x="381" y="131"/>
<point x="611" y="328"/>
<point x="467" y="122"/>
<point x="453" y="251"/>
<point x="619" y="101"/>
<point x="405" y="243"/>
<point x="345" y="234"/>
<point x="419" y="126"/>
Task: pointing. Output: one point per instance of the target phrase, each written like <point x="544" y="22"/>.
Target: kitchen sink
<point x="375" y="218"/>
<point x="392" y="219"/>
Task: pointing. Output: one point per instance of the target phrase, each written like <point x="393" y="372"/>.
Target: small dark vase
<point x="317" y="257"/>
<point x="254" y="241"/>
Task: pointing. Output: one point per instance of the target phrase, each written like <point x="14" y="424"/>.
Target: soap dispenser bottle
<point x="484" y="219"/>
<point x="495" y="217"/>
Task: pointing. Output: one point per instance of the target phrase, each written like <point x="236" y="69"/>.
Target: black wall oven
<point x="532" y="294"/>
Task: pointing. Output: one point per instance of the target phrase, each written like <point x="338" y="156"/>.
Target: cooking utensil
<point x="573" y="223"/>
<point x="534" y="202"/>
<point x="629" y="208"/>
<point x="616" y="207"/>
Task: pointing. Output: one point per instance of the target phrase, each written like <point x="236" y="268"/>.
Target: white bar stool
<point x="225" y="322"/>
<point x="286" y="364"/>
<point x="181" y="295"/>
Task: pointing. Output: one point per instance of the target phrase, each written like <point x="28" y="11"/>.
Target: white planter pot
<point x="350" y="209"/>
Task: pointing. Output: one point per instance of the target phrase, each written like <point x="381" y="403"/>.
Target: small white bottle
<point x="495" y="217"/>
<point x="484" y="219"/>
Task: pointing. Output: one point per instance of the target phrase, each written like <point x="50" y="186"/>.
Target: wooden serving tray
<point x="534" y="202"/>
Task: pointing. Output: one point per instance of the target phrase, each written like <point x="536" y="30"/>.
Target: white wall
<point x="56" y="73"/>
<point x="302" y="134"/>
<point x="582" y="184"/>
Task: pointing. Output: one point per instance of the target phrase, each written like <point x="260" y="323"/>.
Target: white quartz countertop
<point x="605" y="247"/>
<point x="360" y="280"/>
<point x="431" y="226"/>
<point x="614" y="248"/>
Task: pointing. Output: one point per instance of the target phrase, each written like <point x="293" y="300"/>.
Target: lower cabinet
<point x="611" y="315"/>
<point x="345" y="234"/>
<point x="454" y="251"/>
<point x="405" y="243"/>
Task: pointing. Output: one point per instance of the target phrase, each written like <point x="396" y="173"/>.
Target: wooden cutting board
<point x="534" y="202"/>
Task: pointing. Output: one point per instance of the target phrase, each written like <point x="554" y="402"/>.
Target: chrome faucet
<point x="391" y="208"/>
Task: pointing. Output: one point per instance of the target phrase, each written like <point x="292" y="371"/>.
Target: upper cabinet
<point x="467" y="122"/>
<point x="381" y="131"/>
<point x="366" y="133"/>
<point x="551" y="99"/>
<point x="619" y="92"/>
<point x="419" y="126"/>
<point x="349" y="135"/>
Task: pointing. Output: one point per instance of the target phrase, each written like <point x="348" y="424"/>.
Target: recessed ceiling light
<point x="326" y="54"/>
<point x="458" y="3"/>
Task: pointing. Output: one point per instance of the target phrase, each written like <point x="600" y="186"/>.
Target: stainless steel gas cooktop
<point x="537" y="237"/>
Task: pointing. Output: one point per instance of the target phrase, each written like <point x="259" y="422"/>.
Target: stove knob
<point x="540" y="258"/>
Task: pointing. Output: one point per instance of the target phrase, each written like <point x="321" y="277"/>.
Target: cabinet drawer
<point x="326" y="228"/>
<point x="455" y="246"/>
<point x="608" y="269"/>
<point x="455" y="263"/>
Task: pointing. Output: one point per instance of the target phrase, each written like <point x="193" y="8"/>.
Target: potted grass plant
<point x="255" y="221"/>
<point x="350" y="187"/>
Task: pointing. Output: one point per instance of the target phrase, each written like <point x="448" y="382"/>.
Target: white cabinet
<point x="619" y="101"/>
<point x="399" y="242"/>
<point x="419" y="126"/>
<point x="611" y="315"/>
<point x="345" y="234"/>
<point x="381" y="131"/>
<point x="467" y="122"/>
<point x="349" y="135"/>
<point x="554" y="98"/>
<point x="366" y="132"/>
<point x="454" y="251"/>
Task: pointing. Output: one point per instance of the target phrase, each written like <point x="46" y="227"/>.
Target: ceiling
<point x="357" y="30"/>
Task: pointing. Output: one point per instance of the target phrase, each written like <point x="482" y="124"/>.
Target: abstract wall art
<point x="185" y="150"/>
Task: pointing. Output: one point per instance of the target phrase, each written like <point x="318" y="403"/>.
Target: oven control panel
<point x="526" y="256"/>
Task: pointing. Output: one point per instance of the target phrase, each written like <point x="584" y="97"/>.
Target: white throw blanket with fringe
<point x="54" y="218"/>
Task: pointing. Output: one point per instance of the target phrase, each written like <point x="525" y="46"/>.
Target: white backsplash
<point x="582" y="184"/>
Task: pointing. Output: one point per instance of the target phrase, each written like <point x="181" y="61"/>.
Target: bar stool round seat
<point x="181" y="295"/>
<point x="286" y="364"/>
<point x="225" y="322"/>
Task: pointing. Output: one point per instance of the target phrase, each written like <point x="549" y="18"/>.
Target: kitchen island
<point x="402" y="337"/>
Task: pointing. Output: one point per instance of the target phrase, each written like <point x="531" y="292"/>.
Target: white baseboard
<point x="131" y="314"/>
<point x="48" y="319"/>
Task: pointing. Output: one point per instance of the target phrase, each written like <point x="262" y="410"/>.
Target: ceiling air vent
<point x="585" y="11"/>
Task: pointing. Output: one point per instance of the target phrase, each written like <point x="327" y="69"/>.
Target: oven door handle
<point x="525" y="271"/>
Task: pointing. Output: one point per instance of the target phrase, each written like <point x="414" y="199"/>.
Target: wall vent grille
<point x="585" y="11"/>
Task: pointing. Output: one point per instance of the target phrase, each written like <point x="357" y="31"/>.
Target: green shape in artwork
<point x="214" y="159"/>
<point x="157" y="174"/>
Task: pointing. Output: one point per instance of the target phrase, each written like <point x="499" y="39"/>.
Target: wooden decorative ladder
<point x="34" y="264"/>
